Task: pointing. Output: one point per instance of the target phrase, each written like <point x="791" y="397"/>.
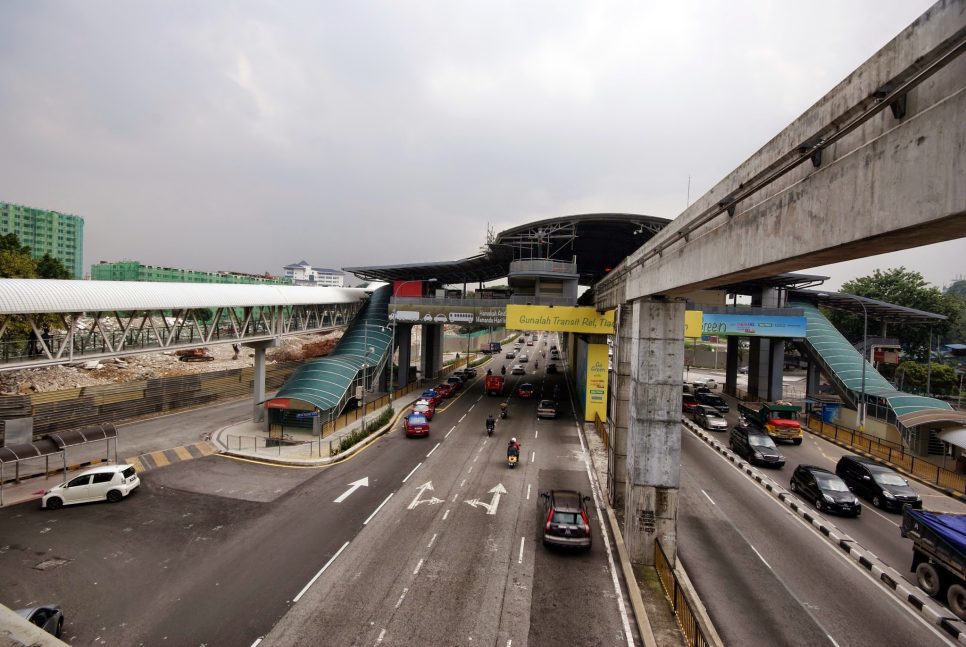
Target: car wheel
<point x="876" y="501"/>
<point x="53" y="503"/>
<point x="60" y="627"/>
<point x="792" y="486"/>
<point x="956" y="597"/>
<point x="927" y="577"/>
<point x="114" y="496"/>
<point x="818" y="504"/>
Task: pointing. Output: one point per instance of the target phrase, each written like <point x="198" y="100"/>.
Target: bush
<point x="356" y="436"/>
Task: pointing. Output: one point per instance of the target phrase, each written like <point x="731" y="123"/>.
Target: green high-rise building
<point x="134" y="271"/>
<point x="47" y="232"/>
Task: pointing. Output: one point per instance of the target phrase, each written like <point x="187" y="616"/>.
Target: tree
<point x="901" y="287"/>
<point x="15" y="259"/>
<point x="49" y="267"/>
<point x="958" y="291"/>
<point x="912" y="377"/>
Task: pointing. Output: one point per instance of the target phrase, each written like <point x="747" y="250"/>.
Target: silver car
<point x="709" y="418"/>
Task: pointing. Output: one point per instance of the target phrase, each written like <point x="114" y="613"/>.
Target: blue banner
<point x="751" y="325"/>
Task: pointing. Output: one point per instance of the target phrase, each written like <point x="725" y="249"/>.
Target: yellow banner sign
<point x="692" y="323"/>
<point x="559" y="319"/>
<point x="596" y="395"/>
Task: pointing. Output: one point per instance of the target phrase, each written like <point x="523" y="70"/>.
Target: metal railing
<point x="542" y="265"/>
<point x="686" y="619"/>
<point x="890" y="452"/>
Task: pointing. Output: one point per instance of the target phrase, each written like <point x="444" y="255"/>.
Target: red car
<point x="425" y="407"/>
<point x="688" y="403"/>
<point x="455" y="381"/>
<point x="432" y="396"/>
<point x="444" y="390"/>
<point x="416" y="424"/>
<point x="526" y="391"/>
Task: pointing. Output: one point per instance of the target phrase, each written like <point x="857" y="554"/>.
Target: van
<point x="877" y="483"/>
<point x="103" y="483"/>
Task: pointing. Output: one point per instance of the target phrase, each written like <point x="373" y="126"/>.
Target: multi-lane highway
<point x="413" y="541"/>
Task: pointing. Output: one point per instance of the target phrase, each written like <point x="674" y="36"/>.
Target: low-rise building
<point x="302" y="273"/>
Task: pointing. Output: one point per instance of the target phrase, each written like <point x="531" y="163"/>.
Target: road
<point x="219" y="552"/>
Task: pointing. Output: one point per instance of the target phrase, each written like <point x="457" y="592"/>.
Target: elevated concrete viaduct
<point x="876" y="165"/>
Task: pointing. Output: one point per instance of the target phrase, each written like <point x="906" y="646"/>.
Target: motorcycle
<point x="503" y="370"/>
<point x="512" y="457"/>
<point x="503" y="411"/>
<point x="489" y="428"/>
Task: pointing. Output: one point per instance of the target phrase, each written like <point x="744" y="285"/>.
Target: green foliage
<point x="356" y="436"/>
<point x="957" y="291"/>
<point x="49" y="267"/>
<point x="912" y="377"/>
<point x="902" y="287"/>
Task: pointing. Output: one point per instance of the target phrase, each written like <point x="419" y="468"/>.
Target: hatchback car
<point x="102" y="483"/>
<point x="826" y="490"/>
<point x="416" y="425"/>
<point x="564" y="519"/>
<point x="444" y="390"/>
<point x="518" y="370"/>
<point x="424" y="407"/>
<point x="547" y="409"/>
<point x="755" y="446"/>
<point x="877" y="483"/>
<point x="688" y="404"/>
<point x="526" y="391"/>
<point x="709" y="418"/>
<point x="48" y="617"/>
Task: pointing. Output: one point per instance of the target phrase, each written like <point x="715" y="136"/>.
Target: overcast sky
<point x="248" y="135"/>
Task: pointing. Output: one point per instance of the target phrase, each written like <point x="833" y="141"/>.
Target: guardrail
<point x="890" y="452"/>
<point x="680" y="604"/>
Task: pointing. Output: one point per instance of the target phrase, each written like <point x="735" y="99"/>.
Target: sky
<point x="245" y="136"/>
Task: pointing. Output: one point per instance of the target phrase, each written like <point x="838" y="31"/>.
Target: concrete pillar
<point x="776" y="369"/>
<point x="258" y="387"/>
<point x="619" y="413"/>
<point x="731" y="366"/>
<point x="404" y="340"/>
<point x="432" y="352"/>
<point x="654" y="441"/>
<point x="811" y="380"/>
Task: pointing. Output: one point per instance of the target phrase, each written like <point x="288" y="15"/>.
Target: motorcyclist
<point x="490" y="422"/>
<point x="503" y="370"/>
<point x="489" y="371"/>
<point x="513" y="447"/>
<point x="503" y="406"/>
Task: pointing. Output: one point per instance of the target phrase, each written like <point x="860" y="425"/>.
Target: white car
<point x="102" y="483"/>
<point x="517" y="370"/>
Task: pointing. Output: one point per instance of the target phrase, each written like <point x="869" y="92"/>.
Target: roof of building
<point x="324" y="270"/>
<point x="21" y="296"/>
<point x="596" y="242"/>
<point x="879" y="310"/>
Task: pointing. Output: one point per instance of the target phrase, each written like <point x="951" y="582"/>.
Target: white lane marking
<point x="463" y="482"/>
<point x="382" y="634"/>
<point x="418" y="566"/>
<point x="874" y="511"/>
<point x="536" y="434"/>
<point x="319" y="574"/>
<point x="479" y="398"/>
<point x="445" y="514"/>
<point x="833" y="640"/>
<point x="509" y="643"/>
<point x="528" y="491"/>
<point x="708" y="497"/>
<point x="402" y="597"/>
<point x="471" y="408"/>
<point x="533" y="457"/>
<point x="481" y="446"/>
<point x="374" y="512"/>
<point x="454" y="497"/>
<point x="520" y="559"/>
<point x="470" y="470"/>
<point x="461" y="419"/>
<point x="432" y="450"/>
<point x="411" y="473"/>
<point x="580" y="437"/>
<point x="449" y="432"/>
<point x="476" y="458"/>
<point x="257" y="640"/>
<point x="763" y="561"/>
<point x="430" y="544"/>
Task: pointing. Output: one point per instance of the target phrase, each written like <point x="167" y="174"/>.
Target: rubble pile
<point x="151" y="365"/>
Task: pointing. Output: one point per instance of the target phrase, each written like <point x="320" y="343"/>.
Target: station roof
<point x="597" y="242"/>
<point x="879" y="310"/>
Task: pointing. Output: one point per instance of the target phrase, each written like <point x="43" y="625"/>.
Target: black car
<point x="877" y="483"/>
<point x="564" y="519"/>
<point x="552" y="369"/>
<point x="712" y="400"/>
<point x="755" y="446"/>
<point x="825" y="490"/>
<point x="48" y="617"/>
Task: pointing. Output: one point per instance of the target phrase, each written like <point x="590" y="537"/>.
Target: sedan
<point x="510" y="354"/>
<point x="415" y="425"/>
<point x="825" y="489"/>
<point x="526" y="391"/>
<point x="552" y="369"/>
<point x="432" y="396"/>
<point x="444" y="390"/>
<point x="425" y="407"/>
<point x="547" y="409"/>
<point x="517" y="370"/>
<point x="709" y="418"/>
<point x="523" y="359"/>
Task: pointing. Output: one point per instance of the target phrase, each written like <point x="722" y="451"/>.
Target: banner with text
<point x="743" y="324"/>
<point x="560" y="319"/>
<point x="596" y="400"/>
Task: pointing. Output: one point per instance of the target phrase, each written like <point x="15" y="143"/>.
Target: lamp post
<point x="392" y="344"/>
<point x="865" y="343"/>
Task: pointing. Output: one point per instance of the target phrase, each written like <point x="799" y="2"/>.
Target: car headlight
<point x="757" y="455"/>
<point x="828" y="498"/>
<point x="887" y="494"/>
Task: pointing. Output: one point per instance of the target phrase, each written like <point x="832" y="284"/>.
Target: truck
<point x="777" y="419"/>
<point x="938" y="554"/>
<point x="493" y="385"/>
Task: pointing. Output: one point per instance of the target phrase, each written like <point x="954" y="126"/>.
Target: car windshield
<point x="888" y="478"/>
<point x="831" y="482"/>
<point x="711" y="413"/>
<point x="760" y="441"/>
<point x="546" y="404"/>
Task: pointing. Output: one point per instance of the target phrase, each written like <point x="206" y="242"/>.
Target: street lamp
<point x="392" y="344"/>
<point x="865" y="347"/>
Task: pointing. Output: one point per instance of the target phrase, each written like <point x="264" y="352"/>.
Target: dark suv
<point x="564" y="519"/>
<point x="877" y="483"/>
<point x="825" y="490"/>
<point x="755" y="446"/>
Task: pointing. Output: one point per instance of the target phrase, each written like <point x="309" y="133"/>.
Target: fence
<point x="693" y="634"/>
<point x="892" y="453"/>
<point x="601" y="427"/>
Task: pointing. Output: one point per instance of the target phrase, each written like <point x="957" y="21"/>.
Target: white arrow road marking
<point x="355" y="485"/>
<point x="494" y="503"/>
<point x="427" y="486"/>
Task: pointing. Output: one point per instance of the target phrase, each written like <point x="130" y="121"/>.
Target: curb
<point x="905" y="592"/>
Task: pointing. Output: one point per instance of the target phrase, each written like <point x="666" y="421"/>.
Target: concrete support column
<point x="776" y="369"/>
<point x="619" y="413"/>
<point x="811" y="380"/>
<point x="654" y="441"/>
<point x="432" y="352"/>
<point x="731" y="366"/>
<point x="258" y="387"/>
<point x="404" y="340"/>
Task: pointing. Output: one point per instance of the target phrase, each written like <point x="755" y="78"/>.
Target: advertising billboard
<point x="596" y="395"/>
<point x="559" y="319"/>
<point x="744" y="325"/>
